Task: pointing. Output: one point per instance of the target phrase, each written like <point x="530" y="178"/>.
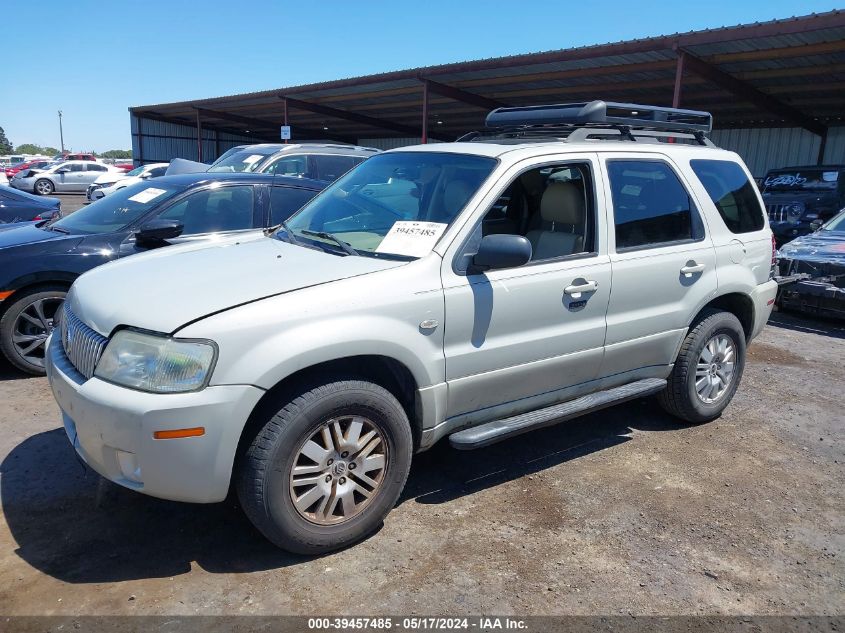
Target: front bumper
<point x="787" y="231"/>
<point x="93" y="193"/>
<point x="112" y="428"/>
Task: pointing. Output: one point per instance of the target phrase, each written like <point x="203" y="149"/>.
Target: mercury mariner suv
<point x="565" y="259"/>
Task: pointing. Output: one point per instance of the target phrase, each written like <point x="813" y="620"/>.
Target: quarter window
<point x="650" y="205"/>
<point x="214" y="210"/>
<point x="732" y="193"/>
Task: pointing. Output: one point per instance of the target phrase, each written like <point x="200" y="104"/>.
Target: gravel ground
<point x="623" y="511"/>
<point x="71" y="201"/>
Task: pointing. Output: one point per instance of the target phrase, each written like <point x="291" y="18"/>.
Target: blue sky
<point x="94" y="59"/>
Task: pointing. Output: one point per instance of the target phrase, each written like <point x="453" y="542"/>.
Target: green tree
<point x="49" y="151"/>
<point x="29" y="148"/>
<point x="117" y="153"/>
<point x="5" y="145"/>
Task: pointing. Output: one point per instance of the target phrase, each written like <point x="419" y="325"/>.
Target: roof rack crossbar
<point x="606" y="113"/>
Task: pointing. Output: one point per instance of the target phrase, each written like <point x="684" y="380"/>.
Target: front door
<point x="517" y="338"/>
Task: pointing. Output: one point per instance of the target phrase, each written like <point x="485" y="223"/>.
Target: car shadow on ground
<point x="8" y="372"/>
<point x="807" y="324"/>
<point x="69" y="523"/>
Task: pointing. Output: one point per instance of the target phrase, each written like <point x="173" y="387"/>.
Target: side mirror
<point x="501" y="251"/>
<point x="157" y="231"/>
<point x="145" y="175"/>
<point x="62" y="170"/>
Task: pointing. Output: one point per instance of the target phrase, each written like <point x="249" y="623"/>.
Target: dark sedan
<point x="20" y="206"/>
<point x="39" y="261"/>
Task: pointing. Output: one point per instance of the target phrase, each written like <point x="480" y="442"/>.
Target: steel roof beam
<point x="462" y="95"/>
<point x="746" y="91"/>
<point x="355" y="117"/>
<point x="261" y="124"/>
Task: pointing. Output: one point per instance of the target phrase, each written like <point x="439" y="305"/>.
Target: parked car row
<point x="39" y="261"/>
<point x="63" y="177"/>
<point x="110" y="182"/>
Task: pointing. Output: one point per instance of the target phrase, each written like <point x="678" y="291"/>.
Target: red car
<point x="125" y="166"/>
<point x="30" y="164"/>
<point x="76" y="156"/>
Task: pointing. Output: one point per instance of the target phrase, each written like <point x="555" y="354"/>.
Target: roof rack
<point x="579" y="121"/>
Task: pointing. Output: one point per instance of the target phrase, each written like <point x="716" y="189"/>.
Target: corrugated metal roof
<point x="799" y="61"/>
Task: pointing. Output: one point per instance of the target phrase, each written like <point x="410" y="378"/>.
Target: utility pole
<point x="61" y="133"/>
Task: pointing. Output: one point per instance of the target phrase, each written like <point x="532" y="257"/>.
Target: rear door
<point x="663" y="261"/>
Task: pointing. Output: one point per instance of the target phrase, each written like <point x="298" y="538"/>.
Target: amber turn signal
<point x="172" y="434"/>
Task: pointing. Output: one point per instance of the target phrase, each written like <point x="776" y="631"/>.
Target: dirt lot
<point x="623" y="511"/>
<point x="71" y="201"/>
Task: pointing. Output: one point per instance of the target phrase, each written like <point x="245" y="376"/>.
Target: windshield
<point x="117" y="210"/>
<point x="817" y="180"/>
<point x="395" y="204"/>
<point x="836" y="224"/>
<point x="240" y="160"/>
<point x="136" y="172"/>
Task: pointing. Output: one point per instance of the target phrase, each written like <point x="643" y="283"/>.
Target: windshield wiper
<point x="329" y="236"/>
<point x="282" y="225"/>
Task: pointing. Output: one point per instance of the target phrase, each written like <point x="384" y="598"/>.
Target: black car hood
<point x="28" y="233"/>
<point x="824" y="247"/>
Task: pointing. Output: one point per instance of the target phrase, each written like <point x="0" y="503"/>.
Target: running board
<point x="497" y="430"/>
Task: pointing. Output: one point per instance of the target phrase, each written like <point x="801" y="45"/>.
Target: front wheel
<point x="44" y="187"/>
<point x="708" y="368"/>
<point x="324" y="471"/>
<point x="26" y="324"/>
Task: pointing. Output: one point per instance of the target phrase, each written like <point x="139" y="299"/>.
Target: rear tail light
<point x="774" y="268"/>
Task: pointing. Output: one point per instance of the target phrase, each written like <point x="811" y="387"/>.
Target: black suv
<point x="799" y="199"/>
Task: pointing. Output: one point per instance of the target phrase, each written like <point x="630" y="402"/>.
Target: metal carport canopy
<point x="788" y="72"/>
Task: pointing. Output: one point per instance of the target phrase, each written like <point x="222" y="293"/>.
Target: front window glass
<point x="242" y="160"/>
<point x="213" y="210"/>
<point x="135" y="172"/>
<point x="820" y="180"/>
<point x="117" y="210"/>
<point x="394" y="204"/>
<point x="287" y="166"/>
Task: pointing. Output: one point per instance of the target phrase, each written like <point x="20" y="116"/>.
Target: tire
<point x="681" y="397"/>
<point x="265" y="480"/>
<point x="43" y="187"/>
<point x="17" y="332"/>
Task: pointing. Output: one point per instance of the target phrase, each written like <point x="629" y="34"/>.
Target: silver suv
<point x="319" y="161"/>
<point x="566" y="260"/>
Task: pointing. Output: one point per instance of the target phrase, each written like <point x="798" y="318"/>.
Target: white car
<point x="72" y="176"/>
<point x="110" y="182"/>
<point x="4" y="180"/>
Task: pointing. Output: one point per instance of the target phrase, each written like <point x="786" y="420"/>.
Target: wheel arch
<point x="25" y="284"/>
<point x="738" y="304"/>
<point x="385" y="371"/>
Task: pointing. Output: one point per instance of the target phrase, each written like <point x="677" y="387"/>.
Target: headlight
<point x="156" y="362"/>
<point x="795" y="210"/>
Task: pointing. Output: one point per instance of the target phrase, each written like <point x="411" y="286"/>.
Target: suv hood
<point x="165" y="289"/>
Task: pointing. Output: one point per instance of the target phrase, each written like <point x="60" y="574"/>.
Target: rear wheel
<point x="324" y="471"/>
<point x="26" y="324"/>
<point x="44" y="187"/>
<point x="708" y="368"/>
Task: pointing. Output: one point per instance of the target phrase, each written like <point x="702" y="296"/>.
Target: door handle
<point x="691" y="268"/>
<point x="590" y="286"/>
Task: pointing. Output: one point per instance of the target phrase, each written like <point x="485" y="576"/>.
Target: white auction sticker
<point x="148" y="194"/>
<point x="414" y="239"/>
<point x="254" y="158"/>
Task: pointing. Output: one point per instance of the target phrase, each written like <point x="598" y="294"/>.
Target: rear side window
<point x="733" y="194"/>
<point x="330" y="167"/>
<point x="285" y="201"/>
<point x="650" y="205"/>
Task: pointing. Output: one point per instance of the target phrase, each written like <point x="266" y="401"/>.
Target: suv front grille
<point x="780" y="212"/>
<point x="83" y="346"/>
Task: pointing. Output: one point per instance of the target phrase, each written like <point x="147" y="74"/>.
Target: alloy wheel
<point x="715" y="369"/>
<point x="32" y="327"/>
<point x="44" y="187"/>
<point x="339" y="470"/>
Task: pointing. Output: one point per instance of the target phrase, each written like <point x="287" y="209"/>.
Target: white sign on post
<point x="285" y="132"/>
